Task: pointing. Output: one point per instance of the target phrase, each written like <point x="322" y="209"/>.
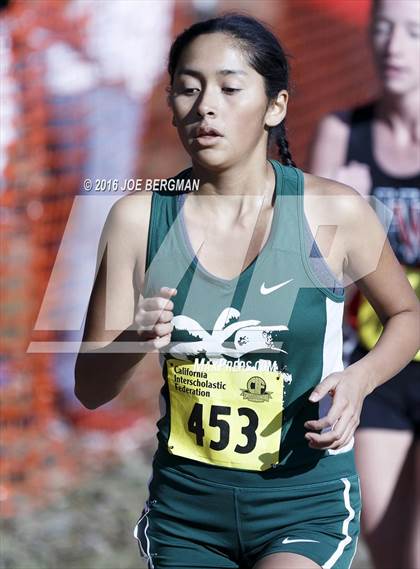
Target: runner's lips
<point x="393" y="68"/>
<point x="204" y="131"/>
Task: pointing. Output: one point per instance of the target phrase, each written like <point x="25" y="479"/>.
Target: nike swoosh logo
<point x="287" y="540"/>
<point x="264" y="290"/>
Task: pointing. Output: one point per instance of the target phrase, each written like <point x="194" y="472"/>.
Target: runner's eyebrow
<point x="195" y="73"/>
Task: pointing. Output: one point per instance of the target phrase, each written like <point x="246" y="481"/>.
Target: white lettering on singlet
<point x="202" y="365"/>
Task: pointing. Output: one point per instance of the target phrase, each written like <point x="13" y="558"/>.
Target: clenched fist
<point x="153" y="319"/>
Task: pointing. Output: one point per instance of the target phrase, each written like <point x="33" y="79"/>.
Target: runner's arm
<point x="327" y="155"/>
<point x="372" y="265"/>
<point x="108" y="356"/>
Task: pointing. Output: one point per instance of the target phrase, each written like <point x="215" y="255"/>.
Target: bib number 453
<point x="195" y="426"/>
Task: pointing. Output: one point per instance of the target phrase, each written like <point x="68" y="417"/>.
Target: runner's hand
<point x="344" y="415"/>
<point x="153" y="319"/>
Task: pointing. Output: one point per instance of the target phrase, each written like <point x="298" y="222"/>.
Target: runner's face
<point x="205" y="95"/>
<point x="396" y="44"/>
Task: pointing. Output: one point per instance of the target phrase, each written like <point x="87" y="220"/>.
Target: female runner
<point x="376" y="149"/>
<point x="254" y="467"/>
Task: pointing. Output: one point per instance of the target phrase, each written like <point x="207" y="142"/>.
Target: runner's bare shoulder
<point x="358" y="235"/>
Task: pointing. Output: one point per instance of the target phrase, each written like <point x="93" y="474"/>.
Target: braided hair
<point x="264" y="54"/>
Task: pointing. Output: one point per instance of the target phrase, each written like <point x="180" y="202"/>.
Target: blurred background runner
<point x="375" y="148"/>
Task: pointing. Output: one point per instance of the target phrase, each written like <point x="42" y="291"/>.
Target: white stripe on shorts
<point x="145" y="554"/>
<point x="345" y="530"/>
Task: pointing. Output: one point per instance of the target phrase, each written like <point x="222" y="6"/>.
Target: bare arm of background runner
<point x="327" y="158"/>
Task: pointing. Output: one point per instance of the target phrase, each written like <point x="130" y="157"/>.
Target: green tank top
<point x="245" y="353"/>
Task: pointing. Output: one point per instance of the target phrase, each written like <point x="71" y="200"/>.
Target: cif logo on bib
<point x="256" y="390"/>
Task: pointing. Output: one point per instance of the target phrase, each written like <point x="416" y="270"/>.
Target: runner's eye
<point x="382" y="27"/>
<point x="230" y="90"/>
<point x="414" y="33"/>
<point x="189" y="90"/>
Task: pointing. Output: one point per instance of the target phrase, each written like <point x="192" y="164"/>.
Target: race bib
<point x="228" y="417"/>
